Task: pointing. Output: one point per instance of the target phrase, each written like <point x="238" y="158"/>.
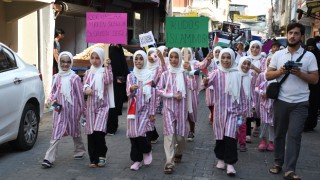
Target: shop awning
<point x="16" y="9"/>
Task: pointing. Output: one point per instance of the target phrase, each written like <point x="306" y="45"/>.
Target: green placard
<point x="187" y="32"/>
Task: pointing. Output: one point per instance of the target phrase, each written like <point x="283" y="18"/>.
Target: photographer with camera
<point x="291" y="107"/>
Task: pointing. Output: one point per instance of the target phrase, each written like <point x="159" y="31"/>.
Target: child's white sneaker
<point x="221" y="164"/>
<point x="147" y="158"/>
<point x="230" y="170"/>
<point x="136" y="166"/>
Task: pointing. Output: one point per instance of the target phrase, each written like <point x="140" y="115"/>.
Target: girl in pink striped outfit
<point x="67" y="91"/>
<point x="156" y="64"/>
<point x="244" y="65"/>
<point x="100" y="97"/>
<point x="258" y="65"/>
<point x="173" y="87"/>
<point x="266" y="112"/>
<point x="139" y="90"/>
<point x="210" y="90"/>
<point x="228" y="108"/>
<point x="194" y="92"/>
<point x="164" y="51"/>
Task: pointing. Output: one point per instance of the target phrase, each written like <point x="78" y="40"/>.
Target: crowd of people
<point x="235" y="83"/>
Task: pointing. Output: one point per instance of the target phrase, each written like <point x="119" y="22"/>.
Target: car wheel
<point x="28" y="129"/>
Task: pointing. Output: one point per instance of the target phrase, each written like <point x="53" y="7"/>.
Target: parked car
<point x="22" y="100"/>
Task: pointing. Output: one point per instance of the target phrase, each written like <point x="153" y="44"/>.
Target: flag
<point x="216" y="39"/>
<point x="222" y="40"/>
<point x="132" y="109"/>
<point x="150" y="83"/>
<point x="196" y="72"/>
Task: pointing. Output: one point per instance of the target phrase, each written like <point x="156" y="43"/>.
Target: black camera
<point x="291" y="65"/>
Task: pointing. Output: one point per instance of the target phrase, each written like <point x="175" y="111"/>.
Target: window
<point x="7" y="60"/>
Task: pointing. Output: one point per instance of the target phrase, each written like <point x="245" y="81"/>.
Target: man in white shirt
<point x="291" y="107"/>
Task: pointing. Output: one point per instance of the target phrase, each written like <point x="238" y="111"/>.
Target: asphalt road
<point x="198" y="160"/>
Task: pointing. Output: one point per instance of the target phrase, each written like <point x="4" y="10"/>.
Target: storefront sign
<point x="187" y="32"/>
<point x="106" y="28"/>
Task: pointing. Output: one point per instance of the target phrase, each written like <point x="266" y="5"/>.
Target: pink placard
<point x="106" y="28"/>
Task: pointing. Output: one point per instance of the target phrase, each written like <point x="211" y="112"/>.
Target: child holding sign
<point x="210" y="90"/>
<point x="96" y="81"/>
<point x="67" y="91"/>
<point x="156" y="65"/>
<point x="173" y="87"/>
<point x="164" y="52"/>
<point x="142" y="98"/>
<point x="194" y="65"/>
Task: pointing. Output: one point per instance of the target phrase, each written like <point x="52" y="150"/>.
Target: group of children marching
<point x="167" y="79"/>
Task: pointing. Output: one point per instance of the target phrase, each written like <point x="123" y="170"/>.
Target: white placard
<point x="146" y="39"/>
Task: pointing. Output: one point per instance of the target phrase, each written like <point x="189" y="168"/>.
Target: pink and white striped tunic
<point x="158" y="72"/>
<point x="68" y="121"/>
<point x="194" y="98"/>
<point x="141" y="124"/>
<point x="256" y="96"/>
<point x="97" y="109"/>
<point x="246" y="103"/>
<point x="210" y="90"/>
<point x="203" y="64"/>
<point x="195" y="91"/>
<point x="210" y="68"/>
<point x="225" y="111"/>
<point x="174" y="112"/>
<point x="266" y="107"/>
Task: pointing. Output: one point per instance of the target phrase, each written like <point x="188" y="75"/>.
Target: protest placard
<point x="231" y="28"/>
<point x="187" y="32"/>
<point x="106" y="27"/>
<point x="146" y="39"/>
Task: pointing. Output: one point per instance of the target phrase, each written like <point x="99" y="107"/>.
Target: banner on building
<point x="106" y="27"/>
<point x="241" y="18"/>
<point x="244" y="17"/>
<point x="146" y="39"/>
<point x="187" y="32"/>
<point x="231" y="28"/>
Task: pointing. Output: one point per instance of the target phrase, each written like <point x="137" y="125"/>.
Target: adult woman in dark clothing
<point x="314" y="97"/>
<point x="120" y="71"/>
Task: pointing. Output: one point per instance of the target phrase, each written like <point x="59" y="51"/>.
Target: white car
<point x="21" y="100"/>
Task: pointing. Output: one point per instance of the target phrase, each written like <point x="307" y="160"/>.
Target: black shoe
<point x="307" y="129"/>
<point x="190" y="136"/>
<point x="46" y="164"/>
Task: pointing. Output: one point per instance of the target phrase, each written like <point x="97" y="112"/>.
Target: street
<point x="198" y="160"/>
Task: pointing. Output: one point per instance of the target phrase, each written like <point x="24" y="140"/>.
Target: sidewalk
<point x="198" y="160"/>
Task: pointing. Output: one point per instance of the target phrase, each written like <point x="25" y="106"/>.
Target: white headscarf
<point x="153" y="53"/>
<point x="233" y="80"/>
<point x="161" y="49"/>
<point x="246" y="77"/>
<point x="179" y="73"/>
<point x="143" y="74"/>
<point x="98" y="73"/>
<point x="255" y="59"/>
<point x="216" y="60"/>
<point x="65" y="77"/>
